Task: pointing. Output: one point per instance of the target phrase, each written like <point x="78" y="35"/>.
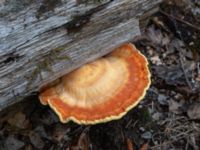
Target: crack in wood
<point x="91" y="1"/>
<point x="79" y="21"/>
<point x="11" y="57"/>
<point x="47" y="5"/>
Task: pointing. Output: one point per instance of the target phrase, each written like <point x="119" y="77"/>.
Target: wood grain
<point x="43" y="40"/>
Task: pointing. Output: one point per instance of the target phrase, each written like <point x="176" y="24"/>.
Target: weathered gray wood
<point x="32" y="41"/>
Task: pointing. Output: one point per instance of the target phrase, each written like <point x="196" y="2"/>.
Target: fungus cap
<point x="100" y="91"/>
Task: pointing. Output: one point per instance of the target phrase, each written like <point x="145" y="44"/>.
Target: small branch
<point x="180" y="20"/>
<point x="180" y="53"/>
<point x="184" y="71"/>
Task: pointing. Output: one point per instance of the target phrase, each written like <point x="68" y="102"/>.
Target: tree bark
<point x="42" y="40"/>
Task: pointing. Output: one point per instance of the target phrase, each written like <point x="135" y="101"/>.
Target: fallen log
<point x="41" y="41"/>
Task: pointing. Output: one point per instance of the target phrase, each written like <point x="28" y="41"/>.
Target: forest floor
<point x="167" y="119"/>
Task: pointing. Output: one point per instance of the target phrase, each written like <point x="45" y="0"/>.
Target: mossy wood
<point x="42" y="40"/>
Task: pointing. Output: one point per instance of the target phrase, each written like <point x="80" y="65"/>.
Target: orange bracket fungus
<point x="100" y="91"/>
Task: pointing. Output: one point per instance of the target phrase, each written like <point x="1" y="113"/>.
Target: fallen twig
<point x="180" y="20"/>
<point x="184" y="71"/>
<point x="180" y="53"/>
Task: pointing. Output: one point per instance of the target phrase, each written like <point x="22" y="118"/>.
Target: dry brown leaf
<point x="83" y="143"/>
<point x="12" y="143"/>
<point x="59" y="132"/>
<point x="129" y="144"/>
<point x="144" y="147"/>
<point x="157" y="37"/>
<point x="36" y="140"/>
<point x="175" y="106"/>
<point x="158" y="22"/>
<point x="172" y="75"/>
<point x="198" y="78"/>
<point x="194" y="111"/>
<point x="19" y="120"/>
<point x="156" y="60"/>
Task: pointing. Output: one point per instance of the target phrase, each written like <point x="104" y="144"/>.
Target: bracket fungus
<point x="100" y="91"/>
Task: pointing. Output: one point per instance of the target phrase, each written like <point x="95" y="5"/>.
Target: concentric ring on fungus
<point x="100" y="91"/>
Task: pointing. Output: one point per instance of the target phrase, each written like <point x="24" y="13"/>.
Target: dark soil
<point x="167" y="118"/>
